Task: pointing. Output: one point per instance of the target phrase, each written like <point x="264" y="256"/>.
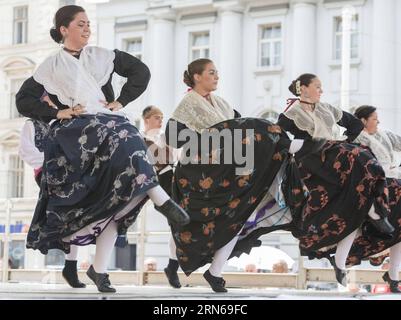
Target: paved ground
<point x="34" y="291"/>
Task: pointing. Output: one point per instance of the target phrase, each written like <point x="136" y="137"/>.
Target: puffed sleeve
<point x="27" y="149"/>
<point x="353" y="125"/>
<point x="172" y="133"/>
<point x="395" y="140"/>
<point x="137" y="74"/>
<point x="29" y="104"/>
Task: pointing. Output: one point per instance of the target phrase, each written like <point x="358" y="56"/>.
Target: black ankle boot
<point x="341" y="275"/>
<point x="383" y="225"/>
<point x="174" y="213"/>
<point x="70" y="274"/>
<point x="171" y="273"/>
<point x="172" y="278"/>
<point x="100" y="279"/>
<point x="394" y="285"/>
<point x="218" y="284"/>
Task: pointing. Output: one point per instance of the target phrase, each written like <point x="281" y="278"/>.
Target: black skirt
<point x="371" y="242"/>
<point x="343" y="181"/>
<point x="219" y="201"/>
<point x="94" y="166"/>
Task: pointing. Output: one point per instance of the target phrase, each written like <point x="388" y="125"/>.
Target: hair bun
<point x="187" y="79"/>
<point x="292" y="88"/>
<point x="56" y="36"/>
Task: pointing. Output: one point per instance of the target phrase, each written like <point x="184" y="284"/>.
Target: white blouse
<point x="27" y="149"/>
<point x="384" y="144"/>
<point x="319" y="123"/>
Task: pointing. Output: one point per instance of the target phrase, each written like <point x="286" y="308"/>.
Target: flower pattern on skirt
<point x="95" y="165"/>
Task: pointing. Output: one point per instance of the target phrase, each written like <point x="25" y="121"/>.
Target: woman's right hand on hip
<point x="71" y="112"/>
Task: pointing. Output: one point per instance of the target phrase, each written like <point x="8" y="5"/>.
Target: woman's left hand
<point x="113" y="106"/>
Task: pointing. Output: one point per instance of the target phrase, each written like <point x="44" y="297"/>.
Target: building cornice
<point x="295" y="2"/>
<point x="229" y="5"/>
<point x="268" y="10"/>
<point x="334" y="4"/>
<point x="131" y="25"/>
<point x="164" y="12"/>
<point x="199" y="18"/>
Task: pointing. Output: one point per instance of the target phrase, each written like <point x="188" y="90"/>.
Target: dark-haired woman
<point x="383" y="144"/>
<point x="32" y="143"/>
<point x="343" y="180"/>
<point x="97" y="174"/>
<point x="229" y="210"/>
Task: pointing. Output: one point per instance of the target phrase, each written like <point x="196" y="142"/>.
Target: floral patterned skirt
<point x="343" y="181"/>
<point x="218" y="201"/>
<point x="370" y="242"/>
<point x="95" y="165"/>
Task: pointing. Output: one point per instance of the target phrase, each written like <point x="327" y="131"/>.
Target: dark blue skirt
<point x="94" y="166"/>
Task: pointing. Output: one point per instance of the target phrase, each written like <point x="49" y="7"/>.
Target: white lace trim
<point x="78" y="81"/>
<point x="320" y="123"/>
<point x="198" y="114"/>
<point x="383" y="148"/>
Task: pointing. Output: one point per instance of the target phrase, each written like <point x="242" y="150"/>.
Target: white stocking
<point x="104" y="247"/>
<point x="173" y="248"/>
<point x="72" y="256"/>
<point x="220" y="258"/>
<point x="343" y="248"/>
<point x="373" y="214"/>
<point x="158" y="195"/>
<point x="395" y="261"/>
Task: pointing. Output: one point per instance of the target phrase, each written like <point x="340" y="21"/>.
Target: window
<point x="134" y="47"/>
<point x="338" y="34"/>
<point x="270" y="46"/>
<point x="20" y="25"/>
<point x="15" y="85"/>
<point x="16" y="177"/>
<point x="199" y="45"/>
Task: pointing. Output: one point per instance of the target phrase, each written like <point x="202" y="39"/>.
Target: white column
<point x="347" y="14"/>
<point x="230" y="64"/>
<point x="398" y="68"/>
<point x="304" y="38"/>
<point x="161" y="63"/>
<point x="383" y="62"/>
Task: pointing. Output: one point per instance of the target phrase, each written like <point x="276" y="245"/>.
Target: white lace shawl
<point x="320" y="123"/>
<point x="384" y="144"/>
<point x="198" y="114"/>
<point x="78" y="81"/>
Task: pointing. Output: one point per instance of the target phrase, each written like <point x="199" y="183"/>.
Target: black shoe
<point x="383" y="225"/>
<point x="174" y="213"/>
<point x="101" y="280"/>
<point x="172" y="277"/>
<point x="394" y="285"/>
<point x="70" y="274"/>
<point x="341" y="275"/>
<point x="217" y="284"/>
